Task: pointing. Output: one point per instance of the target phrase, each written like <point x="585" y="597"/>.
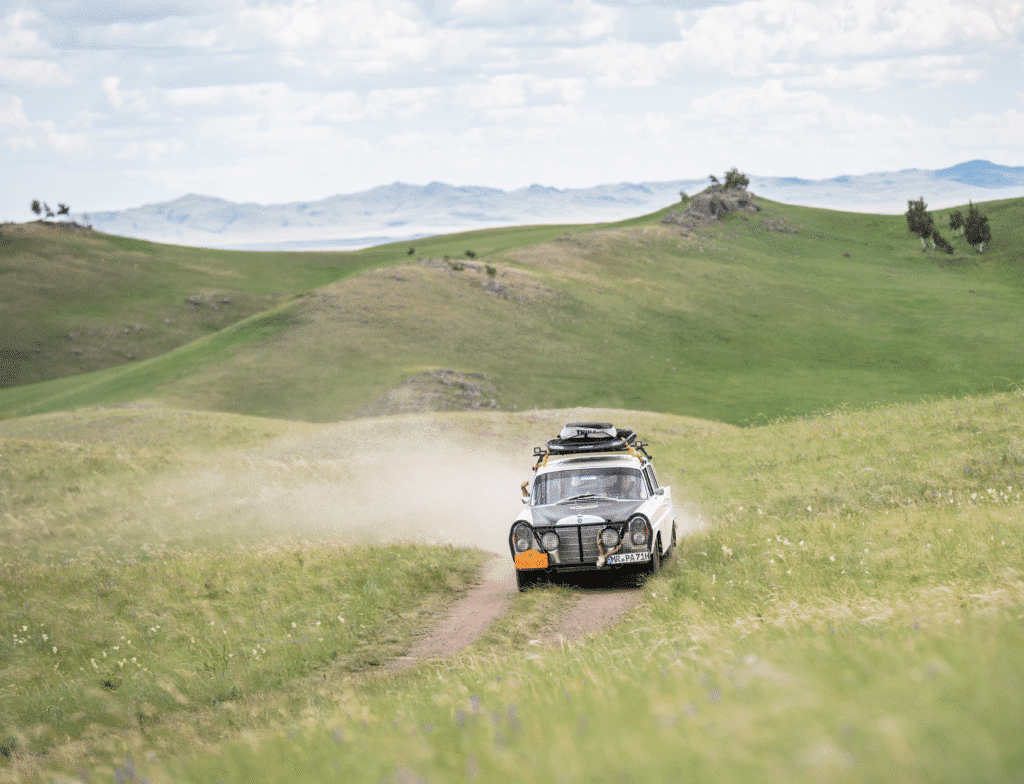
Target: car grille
<point x="578" y="543"/>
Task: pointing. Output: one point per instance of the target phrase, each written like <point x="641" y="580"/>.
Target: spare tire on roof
<point x="588" y="430"/>
<point x="566" y="446"/>
<point x="582" y="437"/>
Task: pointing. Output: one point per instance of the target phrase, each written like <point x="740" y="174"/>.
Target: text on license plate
<point x="621" y="558"/>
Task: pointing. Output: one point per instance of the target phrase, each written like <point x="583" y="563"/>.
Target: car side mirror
<point x="659" y="491"/>
<point x="526" y="499"/>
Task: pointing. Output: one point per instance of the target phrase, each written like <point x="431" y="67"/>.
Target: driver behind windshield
<point x="615" y="483"/>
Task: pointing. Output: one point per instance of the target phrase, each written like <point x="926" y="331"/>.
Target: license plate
<point x="623" y="558"/>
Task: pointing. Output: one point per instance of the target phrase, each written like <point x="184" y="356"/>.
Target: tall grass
<point x="135" y="610"/>
<point x="97" y="645"/>
<point x="871" y="635"/>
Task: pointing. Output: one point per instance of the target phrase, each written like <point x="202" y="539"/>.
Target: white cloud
<point x="624" y="64"/>
<point x="549" y="20"/>
<point x="930" y="70"/>
<point x="771" y="108"/>
<point x="39" y="73"/>
<point x="64" y="142"/>
<point x="129" y="100"/>
<point x="360" y="24"/>
<point x="510" y="90"/>
<point x="17" y="37"/>
<point x="814" y="40"/>
<point x="12" y="112"/>
<point x="534" y="120"/>
<point x="111" y="87"/>
<point x="24" y="56"/>
<point x="741" y="38"/>
<point x="278" y="100"/>
<point x="988" y="131"/>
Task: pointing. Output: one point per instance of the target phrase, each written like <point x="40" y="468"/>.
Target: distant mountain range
<point x="401" y="212"/>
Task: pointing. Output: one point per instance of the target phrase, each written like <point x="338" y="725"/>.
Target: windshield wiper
<point x="589" y="496"/>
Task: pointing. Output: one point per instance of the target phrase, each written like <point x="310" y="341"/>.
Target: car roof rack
<point x="585" y="438"/>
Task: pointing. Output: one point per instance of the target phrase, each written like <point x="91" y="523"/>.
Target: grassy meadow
<point x="208" y="562"/>
<point x="847" y="601"/>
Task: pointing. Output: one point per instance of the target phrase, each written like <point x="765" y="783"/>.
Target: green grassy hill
<point x="789" y="311"/>
<point x="74" y="300"/>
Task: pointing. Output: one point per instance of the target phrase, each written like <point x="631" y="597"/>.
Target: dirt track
<point x="593" y="609"/>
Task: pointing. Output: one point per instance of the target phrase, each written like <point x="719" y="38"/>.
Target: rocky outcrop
<point x="436" y="390"/>
<point x="710" y="205"/>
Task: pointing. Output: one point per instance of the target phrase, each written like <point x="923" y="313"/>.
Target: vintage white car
<point x="593" y="504"/>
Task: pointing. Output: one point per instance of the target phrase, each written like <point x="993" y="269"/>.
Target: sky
<point x="108" y="105"/>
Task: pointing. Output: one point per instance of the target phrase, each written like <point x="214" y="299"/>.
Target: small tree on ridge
<point x="734" y="178"/>
<point x="920" y="221"/>
<point x="976" y="228"/>
<point x="956" y="221"/>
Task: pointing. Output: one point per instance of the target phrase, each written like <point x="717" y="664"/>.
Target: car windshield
<point x="618" y="483"/>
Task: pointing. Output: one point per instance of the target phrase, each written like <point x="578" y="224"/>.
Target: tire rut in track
<point x="593" y="609"/>
<point x="468" y="618"/>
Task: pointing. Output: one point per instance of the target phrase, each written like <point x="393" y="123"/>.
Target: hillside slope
<point x="784" y="312"/>
<point x="74" y="300"/>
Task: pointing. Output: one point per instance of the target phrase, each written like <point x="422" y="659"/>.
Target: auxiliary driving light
<point x="549" y="541"/>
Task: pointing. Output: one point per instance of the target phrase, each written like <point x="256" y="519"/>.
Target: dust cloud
<point x="417" y="478"/>
<point x="357" y="483"/>
<point x="689" y="518"/>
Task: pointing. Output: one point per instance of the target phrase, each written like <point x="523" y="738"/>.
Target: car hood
<point x="551" y="514"/>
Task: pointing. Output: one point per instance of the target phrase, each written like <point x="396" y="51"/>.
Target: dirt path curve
<point x="469" y="617"/>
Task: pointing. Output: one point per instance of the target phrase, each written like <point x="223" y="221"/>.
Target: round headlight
<point x="521" y="538"/>
<point x="609" y="537"/>
<point x="549" y="541"/>
<point x="638" y="531"/>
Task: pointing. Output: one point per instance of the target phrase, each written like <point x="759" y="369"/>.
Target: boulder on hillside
<point x="436" y="390"/>
<point x="711" y="204"/>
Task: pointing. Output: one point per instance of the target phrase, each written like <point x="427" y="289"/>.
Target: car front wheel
<point x="655" y="565"/>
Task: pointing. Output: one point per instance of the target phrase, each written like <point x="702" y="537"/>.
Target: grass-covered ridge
<point x="75" y="301"/>
<point x="786" y="312"/>
<point x="848" y="601"/>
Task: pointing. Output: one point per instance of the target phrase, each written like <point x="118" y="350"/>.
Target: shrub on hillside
<point x="920" y="221"/>
<point x="735" y="179"/>
<point x="976" y="228"/>
<point x="956" y="221"/>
